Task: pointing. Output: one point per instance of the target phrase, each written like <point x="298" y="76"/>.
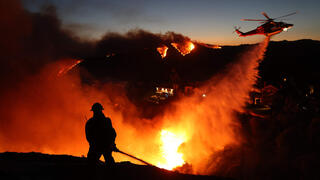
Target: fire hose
<point x="134" y="157"/>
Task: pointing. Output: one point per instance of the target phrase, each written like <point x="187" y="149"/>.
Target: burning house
<point x="161" y="94"/>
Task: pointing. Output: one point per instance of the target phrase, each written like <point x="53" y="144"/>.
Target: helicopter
<point x="268" y="28"/>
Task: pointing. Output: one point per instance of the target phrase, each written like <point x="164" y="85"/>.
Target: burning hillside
<point x="162" y="51"/>
<point x="63" y="102"/>
<point x="197" y="132"/>
<point x="184" y="48"/>
<point x="167" y="139"/>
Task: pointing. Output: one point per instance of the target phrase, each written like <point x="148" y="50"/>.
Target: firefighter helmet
<point x="96" y="107"/>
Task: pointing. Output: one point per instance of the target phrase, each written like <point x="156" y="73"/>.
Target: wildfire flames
<point x="162" y="51"/>
<point x="170" y="144"/>
<point x="211" y="46"/>
<point x="66" y="68"/>
<point x="39" y="103"/>
<point x="202" y="132"/>
<point x="191" y="132"/>
<point x="184" y="48"/>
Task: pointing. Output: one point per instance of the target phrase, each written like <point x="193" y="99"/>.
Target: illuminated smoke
<point x="210" y="123"/>
<point x="46" y="104"/>
<point x="47" y="114"/>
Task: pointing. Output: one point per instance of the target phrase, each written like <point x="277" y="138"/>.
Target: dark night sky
<point x="210" y="21"/>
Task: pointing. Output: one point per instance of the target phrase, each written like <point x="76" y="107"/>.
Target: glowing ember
<point x="67" y="68"/>
<point x="216" y="47"/>
<point x="170" y="145"/>
<point x="162" y="51"/>
<point x="211" y="46"/>
<point x="191" y="46"/>
<point x="184" y="48"/>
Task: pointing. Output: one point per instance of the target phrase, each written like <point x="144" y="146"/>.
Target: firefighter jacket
<point x="99" y="131"/>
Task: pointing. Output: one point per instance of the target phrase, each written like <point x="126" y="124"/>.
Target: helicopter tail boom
<point x="239" y="32"/>
<point x="250" y="33"/>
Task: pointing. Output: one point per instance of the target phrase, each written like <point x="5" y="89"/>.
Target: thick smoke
<point x="46" y="113"/>
<point x="43" y="112"/>
<point x="136" y="40"/>
<point x="31" y="40"/>
<point x="211" y="122"/>
<point x="30" y="93"/>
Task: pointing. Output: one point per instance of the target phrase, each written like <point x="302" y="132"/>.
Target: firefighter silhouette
<point x="101" y="137"/>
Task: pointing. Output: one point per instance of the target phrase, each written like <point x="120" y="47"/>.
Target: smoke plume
<point x="43" y="112"/>
<point x="31" y="40"/>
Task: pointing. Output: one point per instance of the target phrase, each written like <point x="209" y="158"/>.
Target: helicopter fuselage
<point x="268" y="29"/>
<point x="269" y="26"/>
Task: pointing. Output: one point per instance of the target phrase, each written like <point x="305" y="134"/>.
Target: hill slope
<point x="44" y="166"/>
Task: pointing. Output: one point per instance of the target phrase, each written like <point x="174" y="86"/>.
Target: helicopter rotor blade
<point x="253" y="20"/>
<point x="286" y="15"/>
<point x="265" y="15"/>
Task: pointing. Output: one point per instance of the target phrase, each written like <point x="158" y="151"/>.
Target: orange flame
<point x="209" y="123"/>
<point x="212" y="46"/>
<point x="66" y="68"/>
<point x="170" y="144"/>
<point x="215" y="46"/>
<point x="184" y="48"/>
<point x="162" y="51"/>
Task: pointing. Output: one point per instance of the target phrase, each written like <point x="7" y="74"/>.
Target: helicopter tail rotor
<point x="236" y="30"/>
